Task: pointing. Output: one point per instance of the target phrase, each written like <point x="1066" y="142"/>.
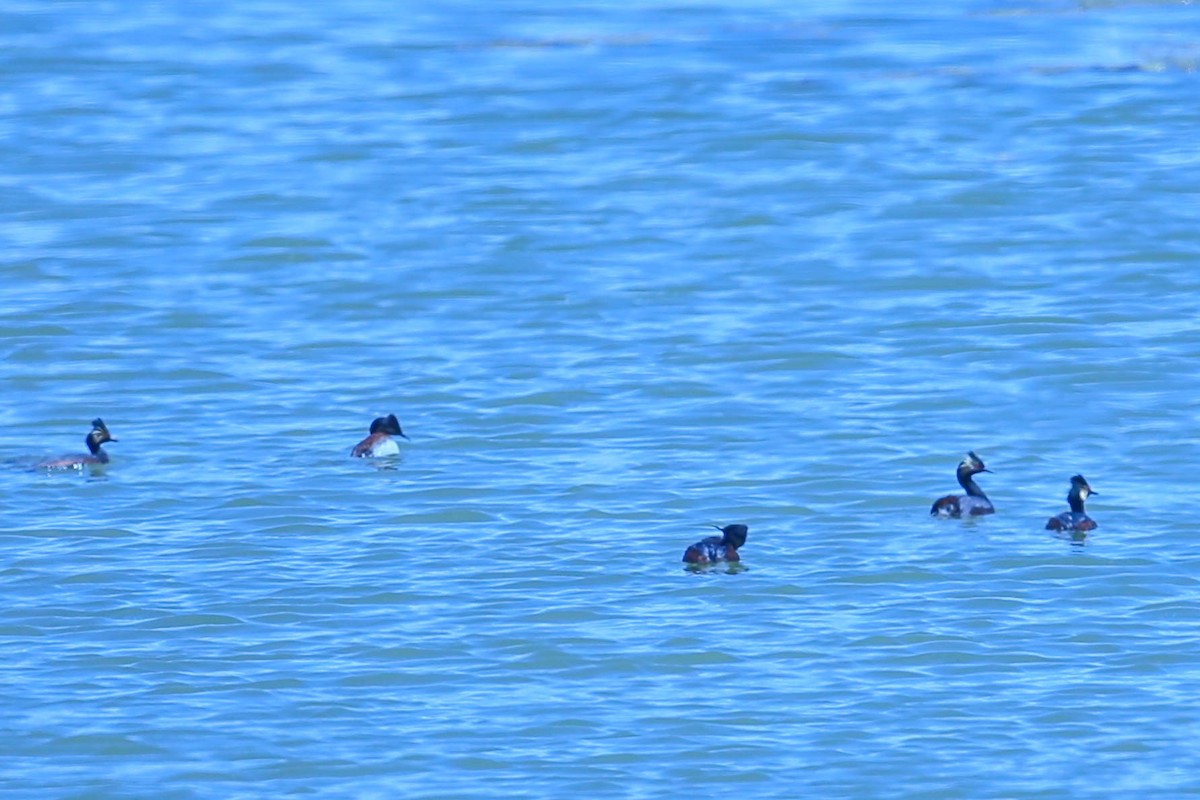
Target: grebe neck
<point x="967" y="481"/>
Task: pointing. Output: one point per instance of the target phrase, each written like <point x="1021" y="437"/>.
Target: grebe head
<point x="1080" y="488"/>
<point x="971" y="465"/>
<point x="734" y="535"/>
<point x="98" y="436"/>
<point x="389" y="425"/>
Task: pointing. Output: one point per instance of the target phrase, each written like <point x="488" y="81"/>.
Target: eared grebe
<point x="380" y="442"/>
<point x="1075" y="519"/>
<point x="96" y="455"/>
<point x="718" y="548"/>
<point x="974" y="502"/>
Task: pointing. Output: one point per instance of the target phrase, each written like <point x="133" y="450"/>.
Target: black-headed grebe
<point x="380" y="442"/>
<point x="718" y="548"/>
<point x="1075" y="519"/>
<point x="974" y="502"/>
<point x="96" y="455"/>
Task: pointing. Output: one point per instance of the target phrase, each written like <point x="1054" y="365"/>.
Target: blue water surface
<point x="623" y="271"/>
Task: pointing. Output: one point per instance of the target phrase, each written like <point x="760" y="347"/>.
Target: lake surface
<point x="623" y="271"/>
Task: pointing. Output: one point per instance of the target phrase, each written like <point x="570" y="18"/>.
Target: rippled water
<point x="622" y="271"/>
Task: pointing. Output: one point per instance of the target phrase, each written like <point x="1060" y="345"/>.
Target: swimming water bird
<point x="974" y="502"/>
<point x="380" y="442"/>
<point x="1075" y="519"/>
<point x="95" y="455"/>
<point x="718" y="548"/>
